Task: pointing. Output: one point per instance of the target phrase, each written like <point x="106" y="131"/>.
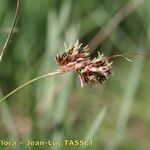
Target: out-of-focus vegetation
<point x="57" y="108"/>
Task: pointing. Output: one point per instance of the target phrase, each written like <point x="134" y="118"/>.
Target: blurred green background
<point x="115" y="116"/>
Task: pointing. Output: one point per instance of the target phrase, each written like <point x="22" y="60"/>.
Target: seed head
<point x="90" y="71"/>
<point x="73" y="54"/>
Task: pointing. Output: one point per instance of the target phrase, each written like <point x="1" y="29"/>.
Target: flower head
<point x="90" y="71"/>
<point x="73" y="54"/>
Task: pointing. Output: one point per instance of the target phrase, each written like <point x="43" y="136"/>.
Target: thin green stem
<point x="11" y="31"/>
<point x="29" y="82"/>
<point x="115" y="56"/>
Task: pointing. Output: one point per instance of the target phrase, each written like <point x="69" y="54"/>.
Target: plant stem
<point x="11" y="31"/>
<point x="115" y="56"/>
<point x="29" y="82"/>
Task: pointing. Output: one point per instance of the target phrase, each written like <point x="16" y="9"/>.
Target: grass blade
<point x="127" y="103"/>
<point x="95" y="126"/>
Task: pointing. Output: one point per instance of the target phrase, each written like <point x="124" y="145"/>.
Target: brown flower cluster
<point x="90" y="71"/>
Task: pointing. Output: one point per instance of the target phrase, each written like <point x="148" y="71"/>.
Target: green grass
<point x="57" y="107"/>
